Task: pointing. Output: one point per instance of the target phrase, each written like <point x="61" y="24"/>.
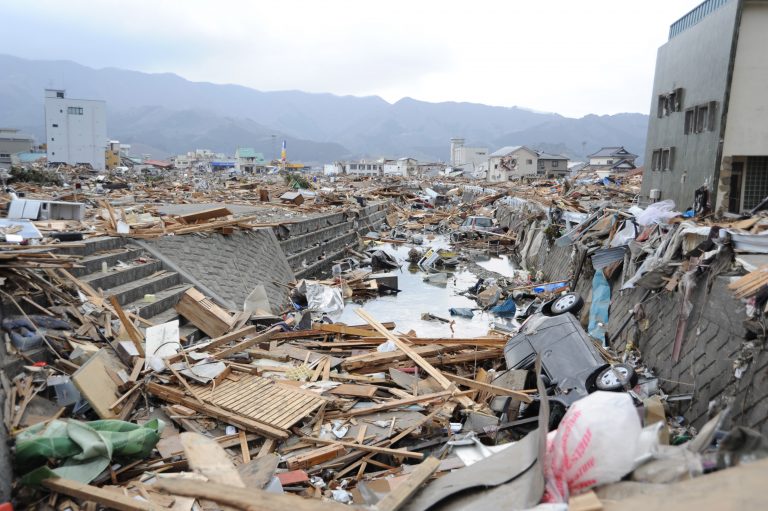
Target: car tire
<point x="570" y="302"/>
<point x="616" y="377"/>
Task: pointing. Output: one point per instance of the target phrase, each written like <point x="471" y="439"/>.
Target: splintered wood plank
<point x="349" y="389"/>
<point x="205" y="456"/>
<point x="395" y="499"/>
<point x="110" y="499"/>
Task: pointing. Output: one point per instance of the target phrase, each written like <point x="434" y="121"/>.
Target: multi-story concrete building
<point x="363" y="168"/>
<point x="467" y="158"/>
<point x="708" y="132"/>
<point x="75" y="130"/>
<point x="11" y="142"/>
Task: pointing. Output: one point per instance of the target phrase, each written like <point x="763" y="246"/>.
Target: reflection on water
<point x="418" y="297"/>
<point x="502" y="264"/>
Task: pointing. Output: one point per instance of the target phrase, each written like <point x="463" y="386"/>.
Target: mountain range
<point x="164" y="114"/>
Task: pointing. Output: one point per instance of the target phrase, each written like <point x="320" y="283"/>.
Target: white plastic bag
<point x="596" y="443"/>
<point x="657" y="212"/>
<point x="624" y="235"/>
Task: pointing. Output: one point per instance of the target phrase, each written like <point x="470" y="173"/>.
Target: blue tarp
<point x="461" y="311"/>
<point x="598" y="311"/>
<point x="548" y="288"/>
<point x="506" y="309"/>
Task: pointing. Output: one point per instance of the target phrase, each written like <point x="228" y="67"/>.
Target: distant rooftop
<point x="612" y="151"/>
<point x="509" y="149"/>
<point x="249" y="152"/>
<point x="696" y="14"/>
<point x="547" y="156"/>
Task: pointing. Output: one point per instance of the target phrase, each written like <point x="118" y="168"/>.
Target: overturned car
<point x="571" y="365"/>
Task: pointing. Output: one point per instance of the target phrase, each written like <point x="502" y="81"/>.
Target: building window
<point x="55" y="125"/>
<point x="755" y="181"/>
<point x="661" y="159"/>
<point x="702" y="118"/>
<point x="53" y="139"/>
<point x="60" y="95"/>
<point x="689" y="117"/>
<point x="555" y="164"/>
<point x="529" y="162"/>
<point x="669" y="102"/>
<point x="5" y="155"/>
<point x="75" y="110"/>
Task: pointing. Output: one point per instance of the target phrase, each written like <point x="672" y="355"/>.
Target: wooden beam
<point x="242" y="346"/>
<point x="368" y="448"/>
<point x="487" y="387"/>
<point x="248" y="499"/>
<point x="395" y="499"/>
<point x="397" y="404"/>
<point x="343" y="329"/>
<point x="314" y="457"/>
<point x="112" y="500"/>
<point x="133" y="332"/>
<point x="429" y="368"/>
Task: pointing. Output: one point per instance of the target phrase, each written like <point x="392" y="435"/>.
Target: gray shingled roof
<point x="510" y="149"/>
<point x="612" y="151"/>
<point x="547" y="156"/>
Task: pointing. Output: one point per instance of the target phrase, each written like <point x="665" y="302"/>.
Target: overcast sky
<point x="566" y="56"/>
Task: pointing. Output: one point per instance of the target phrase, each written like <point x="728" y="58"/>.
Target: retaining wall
<point x="713" y="340"/>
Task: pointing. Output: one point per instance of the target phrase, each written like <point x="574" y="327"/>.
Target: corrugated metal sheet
<point x="607" y="256"/>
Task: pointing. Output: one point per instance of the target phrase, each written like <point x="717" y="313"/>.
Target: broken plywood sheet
<point x="96" y="385"/>
<point x="406" y="381"/>
<point x="262" y="400"/>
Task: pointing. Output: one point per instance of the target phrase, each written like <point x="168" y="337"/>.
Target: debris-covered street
<point x="508" y="328"/>
<point x="401" y="373"/>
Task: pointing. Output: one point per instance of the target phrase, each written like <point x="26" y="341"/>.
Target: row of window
<point x="700" y="118"/>
<point x="662" y="159"/>
<point x="75" y="110"/>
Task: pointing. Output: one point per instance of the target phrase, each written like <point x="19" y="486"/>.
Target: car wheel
<point x="570" y="302"/>
<point x="616" y="377"/>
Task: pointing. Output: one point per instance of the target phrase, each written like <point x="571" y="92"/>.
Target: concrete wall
<point x="747" y="126"/>
<point x="312" y="245"/>
<point x="697" y="60"/>
<point x="229" y="267"/>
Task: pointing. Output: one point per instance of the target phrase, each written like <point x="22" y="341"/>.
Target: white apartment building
<point x="75" y="130"/>
<point x="467" y="158"/>
<point x="363" y="168"/>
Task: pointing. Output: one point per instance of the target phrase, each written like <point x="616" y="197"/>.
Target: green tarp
<point x="84" y="449"/>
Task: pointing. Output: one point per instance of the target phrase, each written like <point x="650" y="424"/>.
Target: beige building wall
<point x="746" y="130"/>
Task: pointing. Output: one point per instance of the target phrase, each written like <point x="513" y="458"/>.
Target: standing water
<point x="418" y="297"/>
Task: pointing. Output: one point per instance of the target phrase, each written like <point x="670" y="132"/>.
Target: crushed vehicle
<point x="571" y="365"/>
